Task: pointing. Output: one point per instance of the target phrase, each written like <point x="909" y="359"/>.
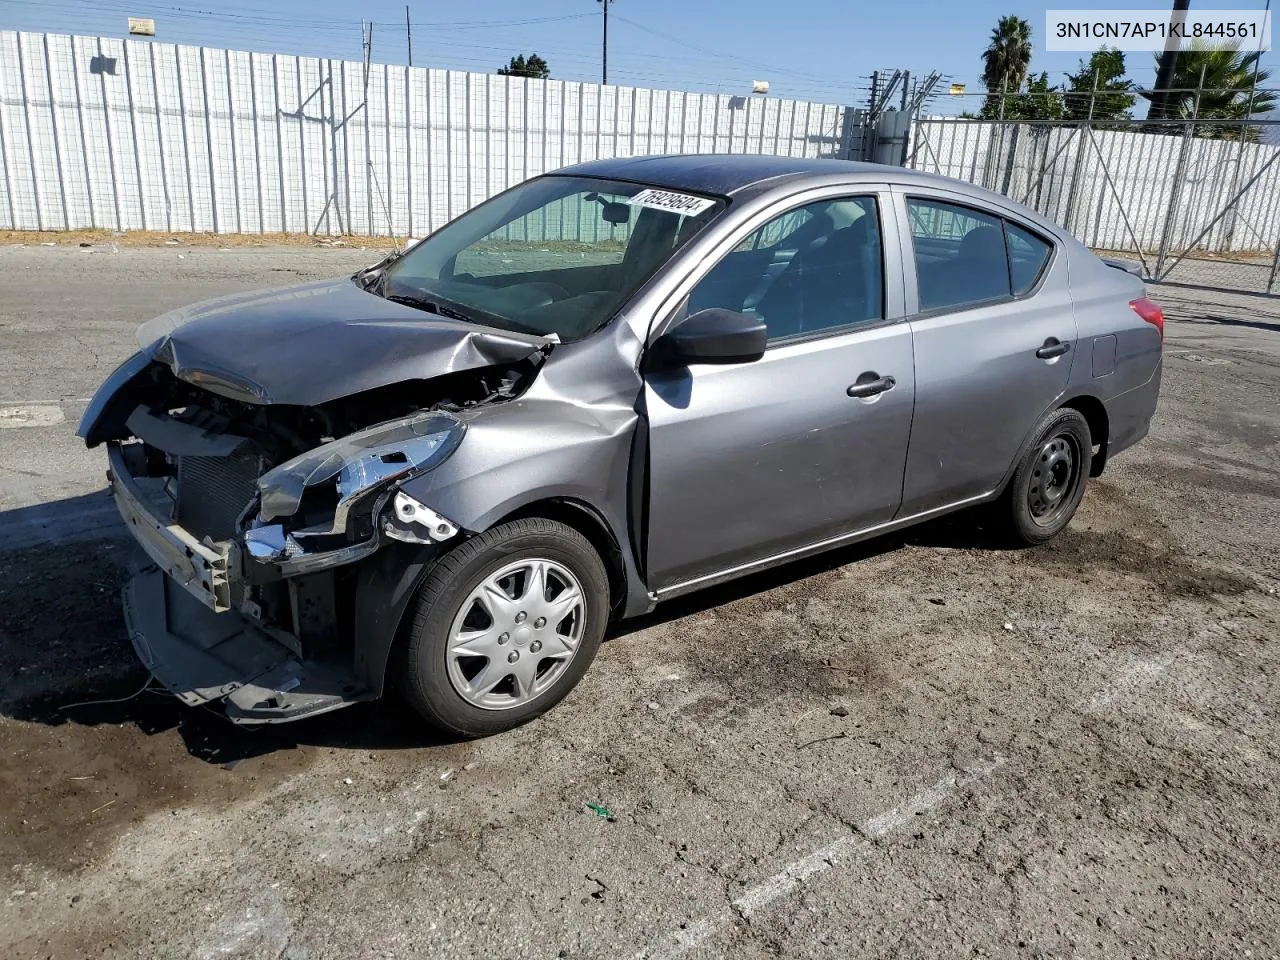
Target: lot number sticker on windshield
<point x="672" y="202"/>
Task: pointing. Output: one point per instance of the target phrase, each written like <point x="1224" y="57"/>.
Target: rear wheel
<point x="504" y="626"/>
<point x="1049" y="482"/>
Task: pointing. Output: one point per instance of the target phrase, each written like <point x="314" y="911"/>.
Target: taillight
<point x="1149" y="311"/>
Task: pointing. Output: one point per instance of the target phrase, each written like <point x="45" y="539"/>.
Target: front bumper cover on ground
<point x="184" y="627"/>
<point x="202" y="656"/>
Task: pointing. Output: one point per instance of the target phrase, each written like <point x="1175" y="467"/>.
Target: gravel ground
<point x="924" y="746"/>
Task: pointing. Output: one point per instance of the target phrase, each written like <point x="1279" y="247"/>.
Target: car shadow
<point x="64" y="649"/>
<point x="67" y="660"/>
<point x="964" y="530"/>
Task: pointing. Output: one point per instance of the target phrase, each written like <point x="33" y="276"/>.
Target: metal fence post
<point x="1179" y="175"/>
<point x="1083" y="133"/>
<point x="990" y="175"/>
<point x="1242" y="133"/>
<point x="1010" y="162"/>
<point x="1275" y="267"/>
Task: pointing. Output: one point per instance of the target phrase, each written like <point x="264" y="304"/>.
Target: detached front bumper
<point x="202" y="656"/>
<point x="184" y="622"/>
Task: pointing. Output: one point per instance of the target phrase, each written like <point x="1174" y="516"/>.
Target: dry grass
<point x="155" y="238"/>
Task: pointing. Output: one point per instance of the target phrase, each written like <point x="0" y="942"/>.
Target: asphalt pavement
<point x="922" y="746"/>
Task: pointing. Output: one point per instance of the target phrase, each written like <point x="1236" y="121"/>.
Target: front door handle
<point x="869" y="384"/>
<point x="1053" y="347"/>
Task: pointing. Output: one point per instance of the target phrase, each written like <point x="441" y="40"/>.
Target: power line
<point x="318" y="37"/>
<point x="752" y="62"/>
<point x="268" y="17"/>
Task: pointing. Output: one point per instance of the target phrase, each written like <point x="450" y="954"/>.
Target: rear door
<point x="994" y="335"/>
<point x="748" y="462"/>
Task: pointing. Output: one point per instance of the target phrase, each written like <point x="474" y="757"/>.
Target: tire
<point x="1050" y="479"/>
<point x="469" y="626"/>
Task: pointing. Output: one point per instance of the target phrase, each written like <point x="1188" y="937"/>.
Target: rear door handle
<point x="869" y="384"/>
<point x="1053" y="347"/>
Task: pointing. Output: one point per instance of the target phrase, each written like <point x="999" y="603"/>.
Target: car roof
<point x="735" y="174"/>
<point x="726" y="174"/>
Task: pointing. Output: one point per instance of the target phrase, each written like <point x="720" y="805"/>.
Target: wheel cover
<point x="1054" y="477"/>
<point x="515" y="634"/>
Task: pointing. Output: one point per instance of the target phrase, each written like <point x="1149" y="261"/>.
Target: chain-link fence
<point x="1194" y="199"/>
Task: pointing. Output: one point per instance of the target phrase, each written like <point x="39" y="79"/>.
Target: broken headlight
<point x="359" y="464"/>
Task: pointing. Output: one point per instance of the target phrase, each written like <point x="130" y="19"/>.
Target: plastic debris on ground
<point x="602" y="811"/>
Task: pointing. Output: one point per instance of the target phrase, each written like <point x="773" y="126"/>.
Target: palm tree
<point x="1008" y="56"/>
<point x="1232" y="90"/>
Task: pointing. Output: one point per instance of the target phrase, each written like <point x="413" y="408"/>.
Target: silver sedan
<point x="605" y="387"/>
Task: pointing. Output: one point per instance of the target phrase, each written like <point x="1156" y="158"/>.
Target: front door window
<point x="811" y="270"/>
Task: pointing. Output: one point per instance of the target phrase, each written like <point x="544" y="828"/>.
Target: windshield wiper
<point x="430" y="306"/>
<point x="480" y="317"/>
<point x="375" y="274"/>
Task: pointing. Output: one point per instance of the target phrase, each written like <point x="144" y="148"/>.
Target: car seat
<point x="833" y="281"/>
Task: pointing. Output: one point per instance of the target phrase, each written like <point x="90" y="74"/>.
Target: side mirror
<point x="714" y="336"/>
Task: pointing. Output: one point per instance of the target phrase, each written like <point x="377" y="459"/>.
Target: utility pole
<point x="1257" y="64"/>
<point x="1159" y="109"/>
<point x="604" y="45"/>
<point x="408" y="33"/>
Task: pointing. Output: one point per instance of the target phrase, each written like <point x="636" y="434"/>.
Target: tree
<point x="1115" y="97"/>
<point x="1228" y="94"/>
<point x="534" y="67"/>
<point x="1041" y="101"/>
<point x="1006" y="59"/>
<point x="1038" y="101"/>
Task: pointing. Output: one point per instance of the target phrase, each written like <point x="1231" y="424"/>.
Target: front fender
<point x="513" y="456"/>
<point x="541" y="449"/>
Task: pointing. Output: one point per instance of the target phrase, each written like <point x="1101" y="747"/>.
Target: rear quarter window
<point x="1028" y="255"/>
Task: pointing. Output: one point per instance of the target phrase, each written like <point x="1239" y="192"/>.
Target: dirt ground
<point x="924" y="746"/>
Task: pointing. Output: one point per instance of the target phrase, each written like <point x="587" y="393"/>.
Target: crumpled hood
<point x="316" y="342"/>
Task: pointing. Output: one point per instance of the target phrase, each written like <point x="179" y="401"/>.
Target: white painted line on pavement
<point x="31" y="415"/>
<point x="681" y="942"/>
<point x="822" y="859"/>
<point x="46" y="403"/>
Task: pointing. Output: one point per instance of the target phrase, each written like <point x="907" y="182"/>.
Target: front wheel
<point x="504" y="626"/>
<point x="1049" y="481"/>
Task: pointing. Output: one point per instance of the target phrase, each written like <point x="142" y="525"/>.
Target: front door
<point x="750" y="461"/>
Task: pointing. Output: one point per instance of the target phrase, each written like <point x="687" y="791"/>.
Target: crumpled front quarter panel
<point x="569" y="436"/>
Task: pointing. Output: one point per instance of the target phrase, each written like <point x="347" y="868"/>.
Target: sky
<point x="822" y="50"/>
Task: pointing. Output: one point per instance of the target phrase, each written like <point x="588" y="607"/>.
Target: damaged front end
<point x="256" y="517"/>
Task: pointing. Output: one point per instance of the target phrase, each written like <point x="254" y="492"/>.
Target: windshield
<point x="556" y="255"/>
